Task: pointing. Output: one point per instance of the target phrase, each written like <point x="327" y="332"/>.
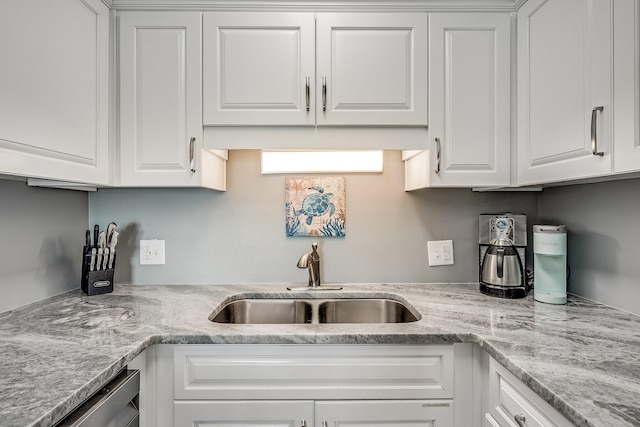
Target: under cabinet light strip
<point x="281" y="162"/>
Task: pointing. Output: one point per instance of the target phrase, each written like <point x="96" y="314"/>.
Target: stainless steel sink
<point x="352" y="310"/>
<point x="364" y="311"/>
<point x="266" y="311"/>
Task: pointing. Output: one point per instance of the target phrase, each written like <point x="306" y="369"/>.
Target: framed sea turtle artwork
<point x="315" y="206"/>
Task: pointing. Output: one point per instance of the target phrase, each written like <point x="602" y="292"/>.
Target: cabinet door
<point x="54" y="97"/>
<point x="259" y="68"/>
<point x="469" y="100"/>
<point x="564" y="77"/>
<point x="384" y="413"/>
<point x="372" y="69"/>
<point x="258" y="413"/>
<point x="626" y="83"/>
<point x="161" y="99"/>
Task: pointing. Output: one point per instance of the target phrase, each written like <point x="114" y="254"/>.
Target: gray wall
<point x="42" y="236"/>
<point x="238" y="236"/>
<point x="603" y="239"/>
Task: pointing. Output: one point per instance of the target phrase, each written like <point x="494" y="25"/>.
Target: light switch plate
<point x="152" y="251"/>
<point x="440" y="252"/>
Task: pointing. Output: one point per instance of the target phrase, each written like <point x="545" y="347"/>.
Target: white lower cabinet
<point x="290" y="413"/>
<point x="513" y="404"/>
<point x="307" y="385"/>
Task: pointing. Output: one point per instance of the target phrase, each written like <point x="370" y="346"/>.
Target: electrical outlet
<point x="440" y="252"/>
<point x="152" y="251"/>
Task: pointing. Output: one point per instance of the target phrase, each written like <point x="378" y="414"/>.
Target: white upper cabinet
<point x="260" y="69"/>
<point x="54" y="96"/>
<point x="161" y="103"/>
<point x="626" y="84"/>
<point x="372" y="69"/>
<point x="564" y="90"/>
<point x="469" y="104"/>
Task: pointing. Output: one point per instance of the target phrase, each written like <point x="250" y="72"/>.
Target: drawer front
<point x="510" y="398"/>
<point x="313" y="372"/>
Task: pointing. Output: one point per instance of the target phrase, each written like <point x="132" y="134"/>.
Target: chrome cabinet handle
<point x="324" y="93"/>
<point x="520" y="420"/>
<point x="304" y="422"/>
<point x="438" y="155"/>
<point x="325" y="424"/>
<point x="308" y="98"/>
<point x="594" y="137"/>
<point x="192" y="164"/>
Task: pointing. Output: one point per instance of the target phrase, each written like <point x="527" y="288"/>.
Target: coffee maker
<point x="502" y="250"/>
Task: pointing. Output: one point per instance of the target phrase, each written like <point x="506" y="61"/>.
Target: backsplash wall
<point x="42" y="233"/>
<point x="603" y="239"/>
<point x="238" y="236"/>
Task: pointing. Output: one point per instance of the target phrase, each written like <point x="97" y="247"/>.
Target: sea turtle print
<point x="316" y="204"/>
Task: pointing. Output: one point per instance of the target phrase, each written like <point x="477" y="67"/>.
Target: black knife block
<point x="98" y="281"/>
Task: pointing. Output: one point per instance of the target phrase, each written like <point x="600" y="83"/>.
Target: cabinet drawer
<point x="313" y="372"/>
<point x="510" y="398"/>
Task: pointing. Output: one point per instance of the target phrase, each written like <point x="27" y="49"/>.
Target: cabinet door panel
<point x="627" y="86"/>
<point x="469" y="108"/>
<point x="54" y="89"/>
<point x="160" y="98"/>
<point x="564" y="72"/>
<point x="256" y="68"/>
<point x="374" y="69"/>
<point x="384" y="413"/>
<point x="262" y="413"/>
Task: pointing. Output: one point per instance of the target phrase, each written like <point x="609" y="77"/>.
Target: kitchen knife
<point x="110" y="229"/>
<point x="87" y="243"/>
<point x="96" y="231"/>
<point x="112" y="247"/>
<point x="102" y="243"/>
<point x="105" y="258"/>
<point x="93" y="259"/>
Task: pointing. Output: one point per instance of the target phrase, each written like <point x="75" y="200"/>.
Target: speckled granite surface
<point x="582" y="358"/>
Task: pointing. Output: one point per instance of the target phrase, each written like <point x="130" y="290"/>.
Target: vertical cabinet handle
<point x="438" y="155"/>
<point x="594" y="129"/>
<point x="192" y="164"/>
<point x="520" y="420"/>
<point x="304" y="422"/>
<point x="325" y="424"/>
<point x="324" y="95"/>
<point x="307" y="94"/>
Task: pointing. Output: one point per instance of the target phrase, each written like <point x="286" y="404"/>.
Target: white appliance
<point x="550" y="263"/>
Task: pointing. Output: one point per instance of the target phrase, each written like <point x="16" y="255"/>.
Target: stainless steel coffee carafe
<point x="502" y="270"/>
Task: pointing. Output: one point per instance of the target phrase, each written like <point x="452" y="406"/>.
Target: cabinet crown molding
<point x="321" y="6"/>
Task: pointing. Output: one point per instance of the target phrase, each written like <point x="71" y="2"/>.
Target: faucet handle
<point x="314" y="246"/>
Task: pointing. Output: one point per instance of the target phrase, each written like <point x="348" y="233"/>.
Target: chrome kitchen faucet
<point x="311" y="262"/>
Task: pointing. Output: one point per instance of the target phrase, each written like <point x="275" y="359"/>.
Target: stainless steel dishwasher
<point x="115" y="405"/>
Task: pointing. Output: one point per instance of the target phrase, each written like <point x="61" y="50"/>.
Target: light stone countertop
<point x="582" y="358"/>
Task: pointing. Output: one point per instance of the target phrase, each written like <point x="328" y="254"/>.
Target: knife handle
<point x="96" y="232"/>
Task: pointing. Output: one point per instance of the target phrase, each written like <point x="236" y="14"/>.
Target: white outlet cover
<point x="440" y="252"/>
<point x="152" y="252"/>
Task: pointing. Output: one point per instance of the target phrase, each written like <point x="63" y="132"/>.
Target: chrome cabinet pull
<point x="594" y="137"/>
<point x="304" y="422"/>
<point x="438" y="155"/>
<point x="520" y="420"/>
<point x="308" y="98"/>
<point x="324" y="93"/>
<point x="325" y="424"/>
<point x="192" y="164"/>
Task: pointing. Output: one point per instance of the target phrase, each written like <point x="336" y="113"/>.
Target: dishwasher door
<point x="116" y="405"/>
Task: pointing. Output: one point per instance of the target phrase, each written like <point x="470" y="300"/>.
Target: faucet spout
<point x="311" y="261"/>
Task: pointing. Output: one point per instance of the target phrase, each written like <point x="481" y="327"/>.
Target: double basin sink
<point x="290" y="311"/>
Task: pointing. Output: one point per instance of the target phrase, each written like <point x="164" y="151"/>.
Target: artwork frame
<point x="315" y="206"/>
